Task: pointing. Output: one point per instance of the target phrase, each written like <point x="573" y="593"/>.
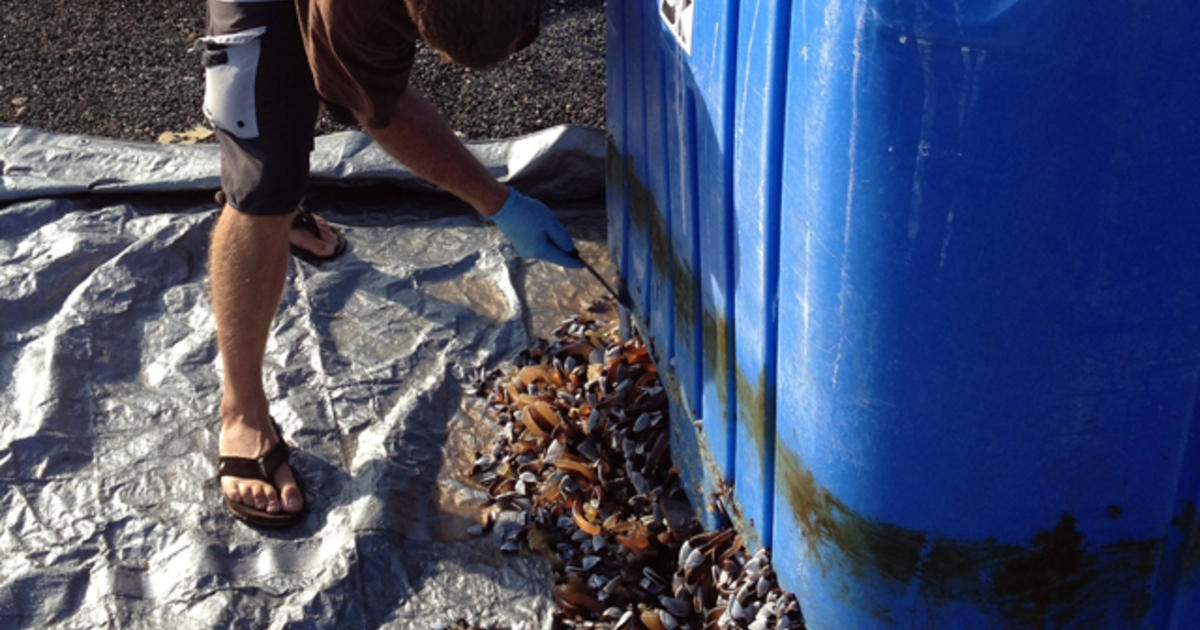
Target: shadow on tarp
<point x="109" y="386"/>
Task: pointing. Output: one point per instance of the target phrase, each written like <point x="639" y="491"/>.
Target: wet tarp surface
<point x="110" y="383"/>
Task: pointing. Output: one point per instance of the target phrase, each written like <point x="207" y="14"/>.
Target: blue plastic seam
<point x="777" y="110"/>
<point x="728" y="112"/>
<point x="615" y="17"/>
<point x="669" y="200"/>
<point x="693" y="210"/>
<point x="623" y="31"/>
<point x="648" y="12"/>
<point x="623" y="264"/>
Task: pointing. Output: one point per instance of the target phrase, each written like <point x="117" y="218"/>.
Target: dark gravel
<point x="121" y="68"/>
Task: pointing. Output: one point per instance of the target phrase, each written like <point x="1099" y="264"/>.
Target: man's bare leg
<point x="419" y="138"/>
<point x="247" y="266"/>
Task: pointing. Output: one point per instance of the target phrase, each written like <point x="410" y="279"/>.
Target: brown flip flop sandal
<point x="263" y="469"/>
<point x="304" y="220"/>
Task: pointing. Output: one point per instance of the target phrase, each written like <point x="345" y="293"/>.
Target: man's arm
<point x="419" y="138"/>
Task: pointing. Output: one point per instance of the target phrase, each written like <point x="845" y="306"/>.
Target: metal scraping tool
<point x="621" y="296"/>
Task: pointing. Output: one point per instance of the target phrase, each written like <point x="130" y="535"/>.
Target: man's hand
<point x="534" y="230"/>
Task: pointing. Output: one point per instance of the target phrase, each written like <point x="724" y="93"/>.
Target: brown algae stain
<point x="756" y="410"/>
<point x="1137" y="606"/>
<point x="1058" y="581"/>
<point x="1188" y="523"/>
<point x="1043" y="584"/>
<point x="687" y="293"/>
<point x="692" y="472"/>
<point x="717" y="357"/>
<point x="829" y="525"/>
<point x="645" y="216"/>
<point x="614" y="166"/>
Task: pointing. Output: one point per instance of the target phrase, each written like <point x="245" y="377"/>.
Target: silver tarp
<point x="109" y="387"/>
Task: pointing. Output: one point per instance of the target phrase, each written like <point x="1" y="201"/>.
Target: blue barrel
<point x="923" y="278"/>
<point x="989" y="404"/>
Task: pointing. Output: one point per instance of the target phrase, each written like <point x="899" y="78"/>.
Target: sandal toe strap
<point x="262" y="468"/>
<point x="305" y="219"/>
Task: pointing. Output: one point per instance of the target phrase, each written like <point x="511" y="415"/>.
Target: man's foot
<point x="319" y="245"/>
<point x="311" y="237"/>
<point x="240" y="439"/>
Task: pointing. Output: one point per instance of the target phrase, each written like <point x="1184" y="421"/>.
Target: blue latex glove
<point x="534" y="230"/>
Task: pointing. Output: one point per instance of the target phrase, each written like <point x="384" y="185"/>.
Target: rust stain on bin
<point x="1188" y="523"/>
<point x="757" y="401"/>
<point x="1058" y="580"/>
<point x="646" y="216"/>
<point x="826" y="521"/>
<point x="614" y="164"/>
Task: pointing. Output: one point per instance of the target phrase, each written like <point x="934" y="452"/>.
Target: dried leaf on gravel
<point x="191" y="136"/>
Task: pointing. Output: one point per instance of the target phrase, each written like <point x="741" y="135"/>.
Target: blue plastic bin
<point x="927" y="276"/>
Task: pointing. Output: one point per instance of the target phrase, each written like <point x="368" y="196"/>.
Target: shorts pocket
<point x="230" y="68"/>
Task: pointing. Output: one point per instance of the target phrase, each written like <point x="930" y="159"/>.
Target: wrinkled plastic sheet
<point x="110" y="382"/>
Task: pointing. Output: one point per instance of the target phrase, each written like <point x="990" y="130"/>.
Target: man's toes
<point x="325" y="248"/>
<point x="292" y="499"/>
<point x="328" y="238"/>
<point x="322" y="245"/>
<point x="272" y="501"/>
<point x="243" y="494"/>
<point x="259" y="495"/>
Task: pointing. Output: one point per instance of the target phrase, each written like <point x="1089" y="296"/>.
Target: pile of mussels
<point x="581" y="472"/>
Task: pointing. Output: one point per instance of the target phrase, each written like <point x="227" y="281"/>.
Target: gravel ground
<point x="121" y="69"/>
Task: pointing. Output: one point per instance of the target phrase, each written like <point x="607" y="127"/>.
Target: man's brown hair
<point x="474" y="33"/>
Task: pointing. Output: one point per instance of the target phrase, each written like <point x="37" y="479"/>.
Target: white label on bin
<point x="678" y="16"/>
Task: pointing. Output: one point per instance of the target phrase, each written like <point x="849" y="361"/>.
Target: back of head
<point x="474" y="33"/>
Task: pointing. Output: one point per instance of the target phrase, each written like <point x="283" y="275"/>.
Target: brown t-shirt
<point x="360" y="51"/>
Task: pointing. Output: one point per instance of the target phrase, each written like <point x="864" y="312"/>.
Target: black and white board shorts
<point x="259" y="95"/>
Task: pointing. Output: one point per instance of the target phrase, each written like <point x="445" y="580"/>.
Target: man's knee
<point x="262" y="182"/>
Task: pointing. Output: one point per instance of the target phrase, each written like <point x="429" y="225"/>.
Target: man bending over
<point x="266" y="62"/>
